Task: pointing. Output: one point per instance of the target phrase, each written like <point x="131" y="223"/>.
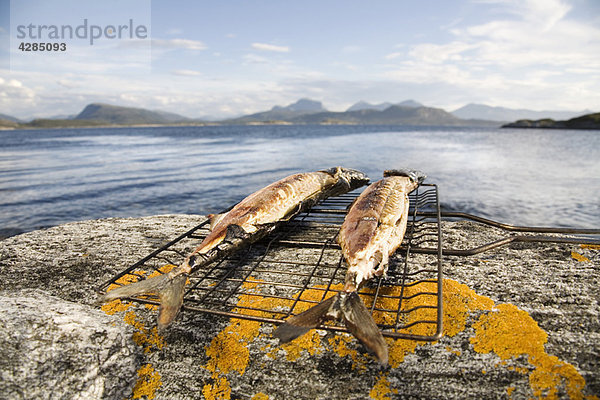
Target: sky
<point x="219" y="59"/>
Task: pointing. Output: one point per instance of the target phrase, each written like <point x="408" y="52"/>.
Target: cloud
<point x="393" y="55"/>
<point x="270" y="47"/>
<point x="174" y="31"/>
<point x="186" y="72"/>
<point x="172" y="44"/>
<point x="532" y="53"/>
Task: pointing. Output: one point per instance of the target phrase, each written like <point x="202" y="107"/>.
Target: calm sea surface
<point x="525" y="177"/>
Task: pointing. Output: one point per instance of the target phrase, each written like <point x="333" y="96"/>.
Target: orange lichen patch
<point x="510" y="332"/>
<point x="310" y="342"/>
<point x="115" y="306"/>
<point x="509" y="391"/>
<point x="146" y="337"/>
<point x="459" y="302"/>
<point x="228" y="351"/>
<point x="147" y="384"/>
<point x="219" y="389"/>
<point x="382" y="390"/>
<point x="311" y="297"/>
<point x="504" y="330"/>
<point x="591" y="246"/>
<point x="260" y="396"/>
<point x="579" y="257"/>
<point x="453" y="351"/>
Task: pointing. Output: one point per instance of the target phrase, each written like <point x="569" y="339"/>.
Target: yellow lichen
<point x="509" y="391"/>
<point x="453" y="351"/>
<point x="260" y="396"/>
<point x="309" y="342"/>
<point x="148" y="380"/>
<point x="147" y="384"/>
<point x="510" y="332"/>
<point x="591" y="246"/>
<point x="340" y="345"/>
<point x="504" y="330"/>
<point x="228" y="351"/>
<point x="459" y="303"/>
<point x="579" y="257"/>
<point x="381" y="390"/>
<point x="218" y="390"/>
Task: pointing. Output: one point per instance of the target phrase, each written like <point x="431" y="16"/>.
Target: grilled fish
<point x="251" y="219"/>
<point x="372" y="231"/>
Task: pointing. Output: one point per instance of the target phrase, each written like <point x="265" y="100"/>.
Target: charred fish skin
<point x="248" y="221"/>
<point x="373" y="229"/>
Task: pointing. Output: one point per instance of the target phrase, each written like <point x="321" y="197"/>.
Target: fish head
<point x="415" y="175"/>
<point x="348" y="177"/>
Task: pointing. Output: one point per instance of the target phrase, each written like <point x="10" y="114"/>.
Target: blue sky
<point x="225" y="58"/>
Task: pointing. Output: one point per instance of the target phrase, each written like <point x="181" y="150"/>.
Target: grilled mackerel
<point x="372" y="231"/>
<point x="248" y="221"/>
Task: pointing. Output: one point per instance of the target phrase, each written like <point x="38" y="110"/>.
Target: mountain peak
<point x="363" y="105"/>
<point x="302" y="105"/>
<point x="111" y="114"/>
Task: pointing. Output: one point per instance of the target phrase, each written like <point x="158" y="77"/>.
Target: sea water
<point x="518" y="176"/>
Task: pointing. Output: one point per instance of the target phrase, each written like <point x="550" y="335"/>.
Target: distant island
<point x="589" y="121"/>
<point x="301" y="112"/>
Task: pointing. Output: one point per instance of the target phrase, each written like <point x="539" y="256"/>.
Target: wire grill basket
<point x="300" y="264"/>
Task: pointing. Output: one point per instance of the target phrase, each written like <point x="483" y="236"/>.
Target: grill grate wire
<point x="300" y="264"/>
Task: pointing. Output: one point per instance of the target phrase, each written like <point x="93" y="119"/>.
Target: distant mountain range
<point x="306" y="111"/>
<point x="9" y="118"/>
<point x="303" y="111"/>
<point x="502" y="114"/>
<point x="278" y="113"/>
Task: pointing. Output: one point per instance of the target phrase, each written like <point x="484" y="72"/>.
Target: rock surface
<point x="548" y="287"/>
<point x="51" y="348"/>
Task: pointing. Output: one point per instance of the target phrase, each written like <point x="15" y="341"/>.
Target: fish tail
<point x="170" y="290"/>
<point x="343" y="306"/>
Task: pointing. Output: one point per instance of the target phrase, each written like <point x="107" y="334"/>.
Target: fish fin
<point x="170" y="290"/>
<point x="215" y="219"/>
<point x="360" y="323"/>
<point x="299" y="324"/>
<point x="346" y="306"/>
<point x="171" y="299"/>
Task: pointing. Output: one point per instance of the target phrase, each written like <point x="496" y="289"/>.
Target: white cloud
<point x="532" y="52"/>
<point x="393" y="55"/>
<point x="255" y="59"/>
<point x="270" y="47"/>
<point x="178" y="44"/>
<point x="174" y="31"/>
<point x="186" y="72"/>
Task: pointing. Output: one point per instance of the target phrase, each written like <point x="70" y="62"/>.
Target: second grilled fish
<point x="372" y="230"/>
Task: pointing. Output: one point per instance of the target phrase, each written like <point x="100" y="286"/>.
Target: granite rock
<point x="54" y="349"/>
